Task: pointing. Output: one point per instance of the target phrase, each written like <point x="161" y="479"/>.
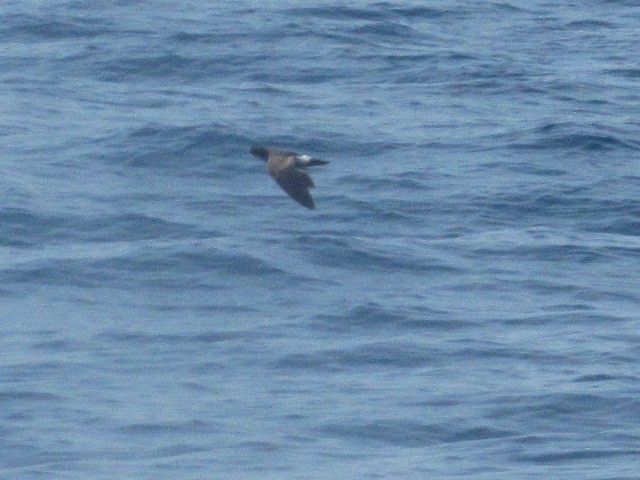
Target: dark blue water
<point x="463" y="303"/>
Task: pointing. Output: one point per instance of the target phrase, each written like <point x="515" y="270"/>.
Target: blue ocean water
<point x="463" y="303"/>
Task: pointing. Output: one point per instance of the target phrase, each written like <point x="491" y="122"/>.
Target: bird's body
<point x="288" y="170"/>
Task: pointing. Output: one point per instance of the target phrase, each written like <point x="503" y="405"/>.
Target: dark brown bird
<point x="288" y="169"/>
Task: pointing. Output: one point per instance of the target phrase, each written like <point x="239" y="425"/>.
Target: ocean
<point x="464" y="302"/>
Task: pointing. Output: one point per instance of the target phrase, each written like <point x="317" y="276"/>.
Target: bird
<point x="288" y="169"/>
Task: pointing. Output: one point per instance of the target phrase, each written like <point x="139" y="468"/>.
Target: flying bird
<point x="288" y="169"/>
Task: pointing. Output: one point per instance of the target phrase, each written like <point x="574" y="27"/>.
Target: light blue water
<point x="463" y="303"/>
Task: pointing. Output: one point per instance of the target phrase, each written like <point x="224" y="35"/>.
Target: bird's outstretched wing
<point x="296" y="183"/>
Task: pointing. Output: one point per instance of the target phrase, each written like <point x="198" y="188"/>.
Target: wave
<point x="567" y="136"/>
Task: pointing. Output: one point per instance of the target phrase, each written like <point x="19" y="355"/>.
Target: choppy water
<point x="464" y="302"/>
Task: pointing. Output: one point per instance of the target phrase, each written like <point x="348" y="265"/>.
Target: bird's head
<point x="258" y="151"/>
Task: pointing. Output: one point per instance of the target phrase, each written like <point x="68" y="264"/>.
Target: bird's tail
<point x="316" y="161"/>
<point x="306" y="161"/>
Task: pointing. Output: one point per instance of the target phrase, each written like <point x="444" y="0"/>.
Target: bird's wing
<point x="296" y="183"/>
